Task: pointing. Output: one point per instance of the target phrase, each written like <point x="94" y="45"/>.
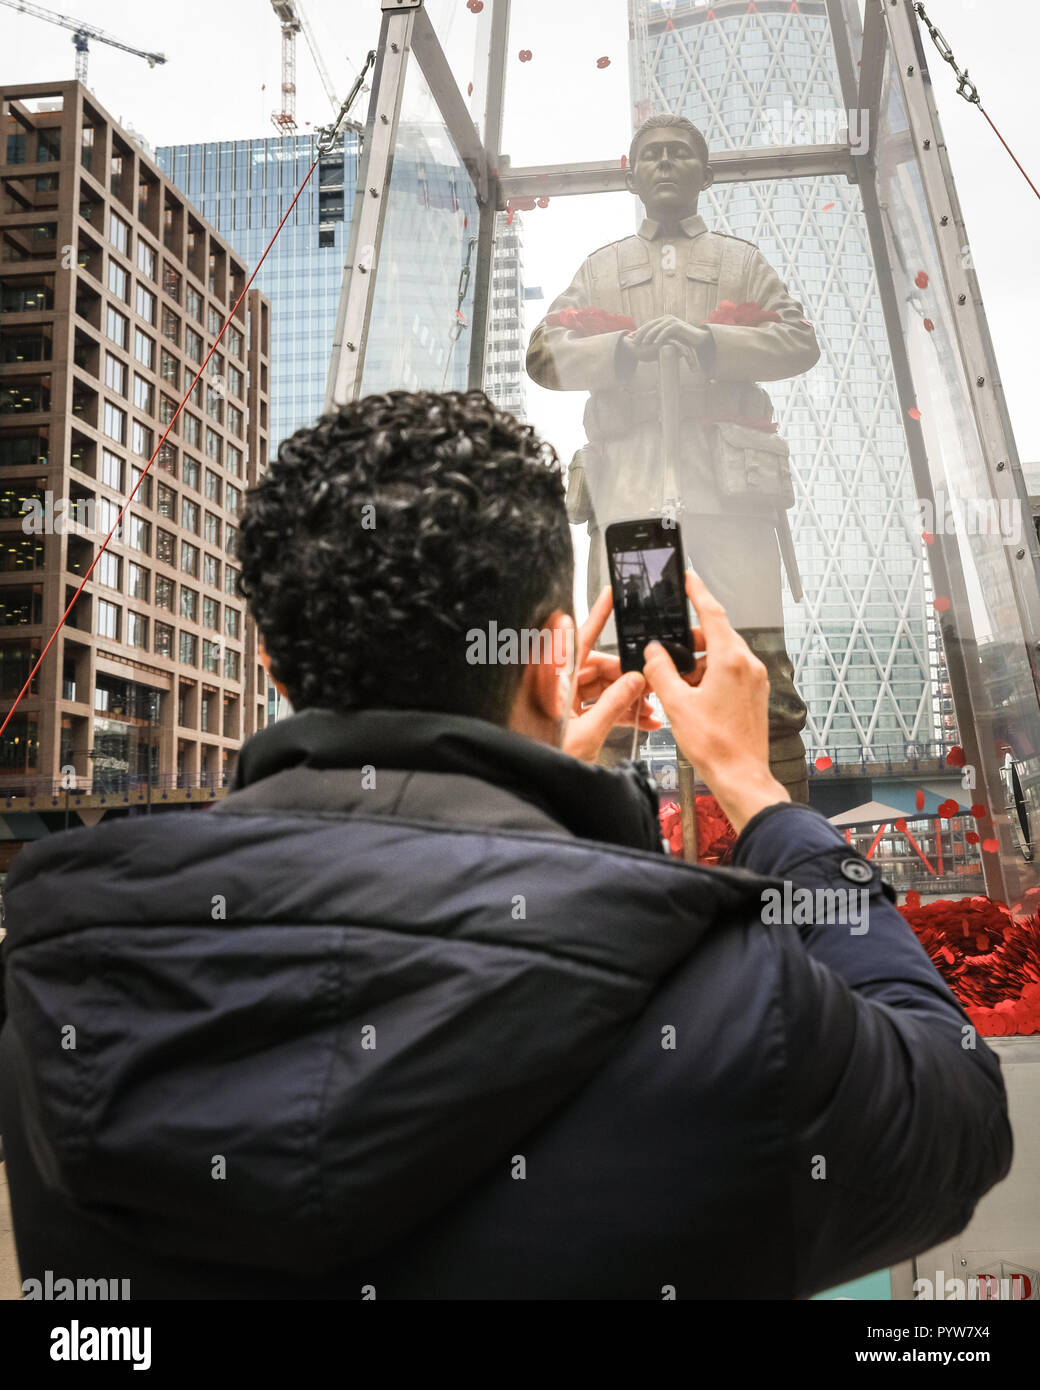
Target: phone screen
<point x="646" y="575"/>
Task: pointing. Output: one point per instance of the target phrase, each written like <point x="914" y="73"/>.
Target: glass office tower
<point x="867" y="656"/>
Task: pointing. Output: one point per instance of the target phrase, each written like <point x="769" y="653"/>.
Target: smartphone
<point x="647" y="575"/>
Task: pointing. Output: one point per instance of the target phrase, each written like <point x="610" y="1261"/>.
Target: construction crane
<point x="294" y="21"/>
<point x="81" y="35"/>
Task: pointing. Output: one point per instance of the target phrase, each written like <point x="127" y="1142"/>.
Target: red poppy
<point x="929" y="326"/>
<point x="603" y="62"/>
<point x="747" y="315"/>
<point x="921" y="279"/>
<point x="589" y="323"/>
<point x="526" y="55"/>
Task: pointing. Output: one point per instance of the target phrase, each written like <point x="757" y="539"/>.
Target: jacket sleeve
<point x="896" y="1109"/>
<point x="772" y="351"/>
<point x="560" y="359"/>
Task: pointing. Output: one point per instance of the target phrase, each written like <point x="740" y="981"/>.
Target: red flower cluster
<point x="589" y="323"/>
<point x="715" y="836"/>
<point x="747" y="315"/>
<point x="989" y="957"/>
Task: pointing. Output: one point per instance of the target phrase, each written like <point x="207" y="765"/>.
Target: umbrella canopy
<point x="869" y="813"/>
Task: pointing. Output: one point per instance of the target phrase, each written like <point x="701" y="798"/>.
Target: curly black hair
<point x="389" y="530"/>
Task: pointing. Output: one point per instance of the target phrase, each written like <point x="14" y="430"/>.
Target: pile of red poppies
<point x="988" y="955"/>
<point x="715" y="836"/>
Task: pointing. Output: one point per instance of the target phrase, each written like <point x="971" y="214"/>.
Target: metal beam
<point x="872" y="66"/>
<point x="445" y="91"/>
<point x="350" y="340"/>
<point x="730" y="166"/>
<point x="492" y="199"/>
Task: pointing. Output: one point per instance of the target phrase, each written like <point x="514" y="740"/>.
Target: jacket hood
<point x="296" y="1034"/>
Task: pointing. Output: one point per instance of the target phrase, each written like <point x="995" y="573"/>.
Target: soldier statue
<point x="723" y="310"/>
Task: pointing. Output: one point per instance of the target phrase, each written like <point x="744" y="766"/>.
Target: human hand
<point x="646" y="342"/>
<point x="720" y="714"/>
<point x="619" y="699"/>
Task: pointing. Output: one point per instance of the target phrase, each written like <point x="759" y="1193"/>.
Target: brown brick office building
<point x="112" y="290"/>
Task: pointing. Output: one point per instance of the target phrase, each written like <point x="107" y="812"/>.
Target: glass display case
<point x="715" y="253"/>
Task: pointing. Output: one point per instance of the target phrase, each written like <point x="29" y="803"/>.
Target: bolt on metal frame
<point x="889" y="31"/>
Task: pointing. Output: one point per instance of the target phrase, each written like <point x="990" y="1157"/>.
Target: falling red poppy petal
<point x="901" y="825"/>
<point x="921" y="279"/>
<point x="919" y="799"/>
<point x="827" y="207"/>
<point x="526" y="55"/>
<point x="955" y="757"/>
<point x="972" y="837"/>
<point x="823" y="762"/>
<point x="927" y="537"/>
<point x="991" y="846"/>
<point x="469" y="90"/>
<point x="929" y="326"/>
<point x="941" y="604"/>
<point x="949" y="808"/>
<point x="914" y="413"/>
<point x="603" y="62"/>
<point x="979" y="811"/>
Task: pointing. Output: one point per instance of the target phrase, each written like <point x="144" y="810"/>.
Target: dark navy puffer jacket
<point x="423" y="1008"/>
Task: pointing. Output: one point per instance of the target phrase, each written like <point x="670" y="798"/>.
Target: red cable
<point x="1000" y="137"/>
<point x="162" y="441"/>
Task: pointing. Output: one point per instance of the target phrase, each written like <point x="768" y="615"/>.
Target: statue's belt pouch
<point x="579" y="498"/>
<point x="754" y="467"/>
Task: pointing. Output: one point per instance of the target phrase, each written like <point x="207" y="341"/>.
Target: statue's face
<point x="669" y="174"/>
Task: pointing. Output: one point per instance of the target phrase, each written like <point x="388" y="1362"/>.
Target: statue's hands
<point x="646" y="342"/>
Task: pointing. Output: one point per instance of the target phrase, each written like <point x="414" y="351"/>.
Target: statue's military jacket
<point x="727" y="462"/>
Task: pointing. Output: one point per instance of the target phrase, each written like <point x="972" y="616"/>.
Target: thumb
<point x="614" y="702"/>
<point x="662" y="677"/>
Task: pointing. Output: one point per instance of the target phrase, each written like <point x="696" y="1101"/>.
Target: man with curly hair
<point x="422" y="1009"/>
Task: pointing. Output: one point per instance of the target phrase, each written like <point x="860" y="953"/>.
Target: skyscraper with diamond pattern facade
<point x="867" y="657"/>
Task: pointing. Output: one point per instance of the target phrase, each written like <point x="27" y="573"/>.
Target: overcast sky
<point x="222" y="82"/>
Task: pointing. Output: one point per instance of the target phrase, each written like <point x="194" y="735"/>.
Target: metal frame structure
<point x="889" y="34"/>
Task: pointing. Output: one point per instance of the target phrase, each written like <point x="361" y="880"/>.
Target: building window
<point x="163" y="639"/>
<point x="234" y="420"/>
<point x="231" y="665"/>
<point x="190" y="469"/>
<point x="169" y="369"/>
<point x="167" y="410"/>
<point x="214" y="405"/>
<point x="189" y="648"/>
<point x="232" y="498"/>
<point x="190" y="559"/>
<point x="230" y="580"/>
<point x="144" y="395"/>
<point x="145" y="258"/>
<point x="144" y="349"/>
<point x="117" y="326"/>
<point x="233" y="463"/>
<point x="231" y="545"/>
<point x="216" y="321"/>
<point x="143" y="494"/>
<point x="137" y="630"/>
<point x="212" y="487"/>
<point x="192" y="429"/>
<point x="165" y="546"/>
<point x="193" y="345"/>
<point x="193" y="303"/>
<point x="233" y="338"/>
<point x="142" y="440"/>
<point x="118" y="280"/>
<point x="213" y="445"/>
<point x="110" y="570"/>
<point x="171" y="325"/>
<point x="115" y="374"/>
<point x="190" y="516"/>
<point x="115" y="423"/>
<point x="165" y="590"/>
<point x="167" y="502"/>
<point x="108" y="619"/>
<point x="211" y="531"/>
<point x="210" y="656"/>
<point x="119" y="233"/>
<point x="138" y="578"/>
<point x="211" y="571"/>
<point x="211" y="614"/>
<point x="108" y="514"/>
<point x="234" y="378"/>
<point x="171" y="282"/>
<point x="189" y="604"/>
<point x="145" y="304"/>
<point x="231" y="620"/>
<point x="167" y="459"/>
<point x="140" y="535"/>
<point x="111" y="470"/>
